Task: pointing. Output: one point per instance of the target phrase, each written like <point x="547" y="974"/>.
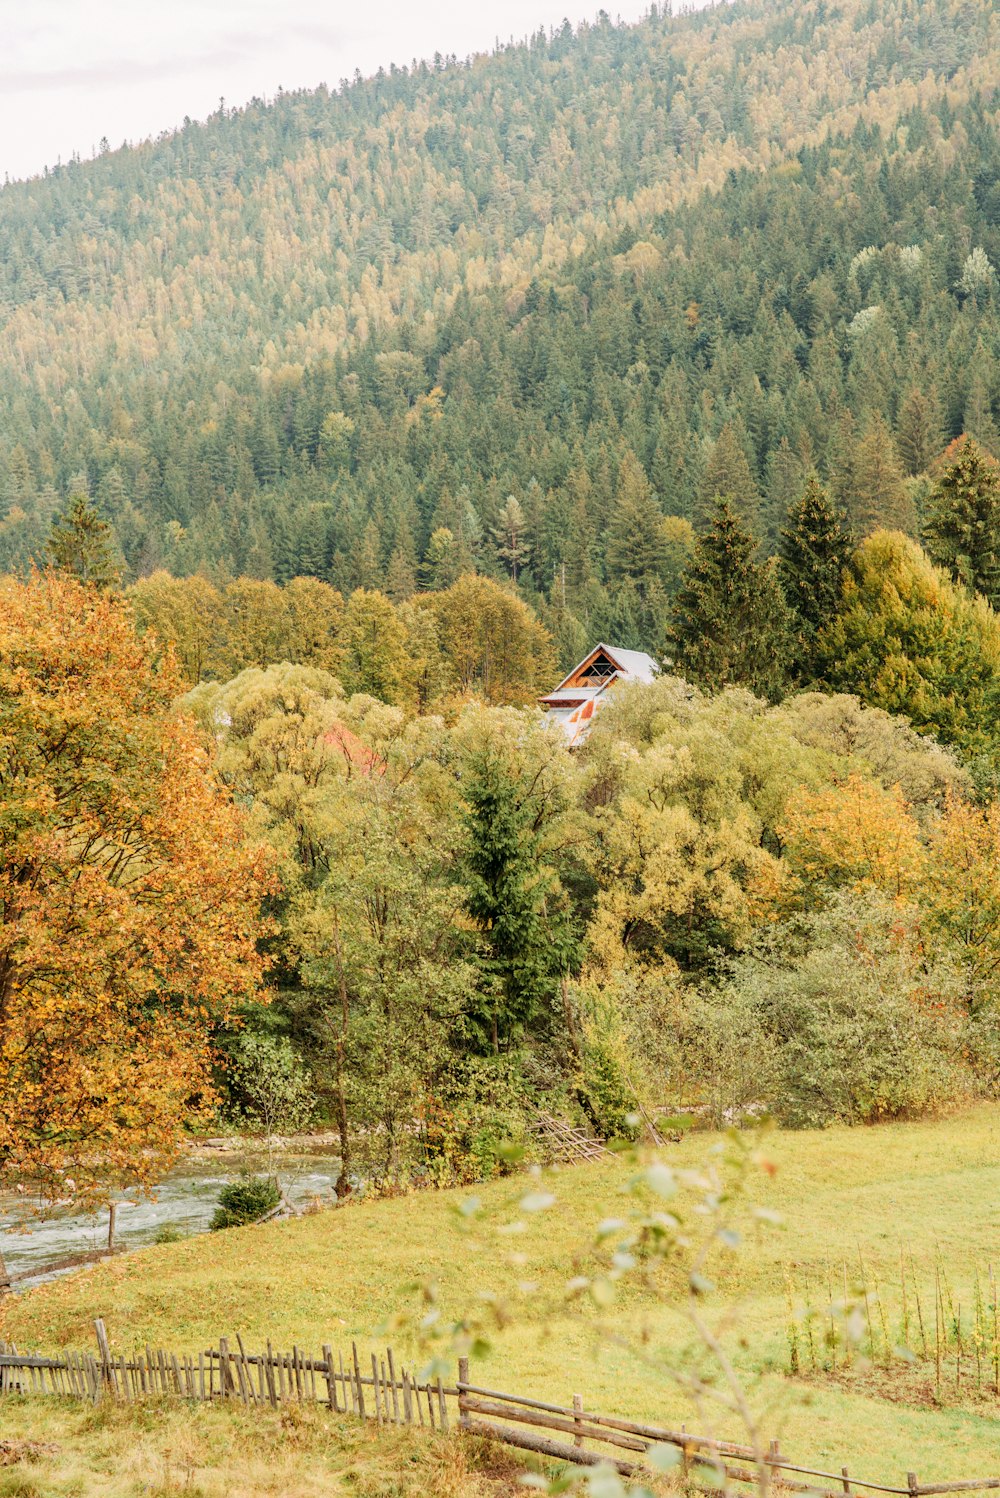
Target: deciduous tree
<point x="129" y="898"/>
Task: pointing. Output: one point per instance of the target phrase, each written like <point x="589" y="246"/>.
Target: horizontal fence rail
<point x="389" y="1393"/>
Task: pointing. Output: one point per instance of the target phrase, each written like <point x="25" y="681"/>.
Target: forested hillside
<point x="511" y="314"/>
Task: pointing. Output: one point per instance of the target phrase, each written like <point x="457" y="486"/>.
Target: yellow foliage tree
<point x="960" y="893"/>
<point x="853" y="833"/>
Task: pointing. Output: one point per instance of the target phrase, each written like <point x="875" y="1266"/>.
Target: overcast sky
<point x="72" y="71"/>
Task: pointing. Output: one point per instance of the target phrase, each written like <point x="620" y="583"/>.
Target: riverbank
<point x="322" y="1141"/>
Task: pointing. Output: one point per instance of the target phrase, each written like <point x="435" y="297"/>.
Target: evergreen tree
<point x="879" y="498"/>
<point x="730" y="619"/>
<point x="636" y="544"/>
<point x="728" y="475"/>
<point x="510" y="535"/>
<point x="815" y="548"/>
<point x="784" y="484"/>
<point x="525" y="938"/>
<point x="963" y="525"/>
<point x="919" y="432"/>
<point x="82" y="543"/>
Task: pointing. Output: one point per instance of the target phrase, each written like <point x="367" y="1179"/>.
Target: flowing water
<point x="183" y="1202"/>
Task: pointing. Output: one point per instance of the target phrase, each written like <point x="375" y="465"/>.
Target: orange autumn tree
<point x="129" y="898"/>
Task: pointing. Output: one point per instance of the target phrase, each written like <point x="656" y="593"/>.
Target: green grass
<point x="343" y="1274"/>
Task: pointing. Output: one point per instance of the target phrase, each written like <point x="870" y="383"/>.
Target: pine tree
<point x="401" y="575"/>
<point x="963" y="527"/>
<point x="82" y="543"/>
<point x="526" y="942"/>
<point x="815" y="548"/>
<point x="510" y="534"/>
<point x="730" y="619"/>
<point x="636" y="545"/>
<point x="784" y="484"/>
<point x="728" y="476"/>
<point x="879" y="498"/>
<point x="977" y="418"/>
<point x="920" y="430"/>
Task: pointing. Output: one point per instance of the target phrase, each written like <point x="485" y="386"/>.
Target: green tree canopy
<point x="962" y="531"/>
<point x="910" y="640"/>
<point x="730" y="619"/>
<point x="82" y="543"/>
<point x="814" y="551"/>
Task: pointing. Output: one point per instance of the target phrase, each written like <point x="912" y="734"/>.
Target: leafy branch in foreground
<point x="671" y="1233"/>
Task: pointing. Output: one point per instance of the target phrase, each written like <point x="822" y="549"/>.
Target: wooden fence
<point x="391" y="1394"/>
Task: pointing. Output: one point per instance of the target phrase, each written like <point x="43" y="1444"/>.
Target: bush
<point x="727" y="1064"/>
<point x="269" y="1088"/>
<point x="168" y="1233"/>
<point x="841" y="1021"/>
<point x="246" y="1200"/>
<point x="474" y="1129"/>
<point x="606" y="1090"/>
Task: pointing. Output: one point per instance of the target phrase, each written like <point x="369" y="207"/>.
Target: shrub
<point x="841" y="1020"/>
<point x="474" y="1128"/>
<point x="606" y="1090"/>
<point x="246" y="1200"/>
<point x="269" y="1087"/>
<point x="726" y="1064"/>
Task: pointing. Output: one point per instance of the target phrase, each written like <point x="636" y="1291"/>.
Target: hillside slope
<point x="611" y="265"/>
<point x="357" y="1273"/>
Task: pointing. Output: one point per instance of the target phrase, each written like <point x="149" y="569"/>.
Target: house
<point x="579" y="696"/>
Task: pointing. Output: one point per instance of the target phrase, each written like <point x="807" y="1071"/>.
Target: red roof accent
<point x="357" y="754"/>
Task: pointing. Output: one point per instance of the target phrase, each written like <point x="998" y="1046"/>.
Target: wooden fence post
<point x="226" y="1380"/>
<point x="103" y="1347"/>
<point x="357" y="1380"/>
<point x="463" y="1379"/>
<point x="577" y="1412"/>
<point x="911" y="1481"/>
<point x="845" y="1480"/>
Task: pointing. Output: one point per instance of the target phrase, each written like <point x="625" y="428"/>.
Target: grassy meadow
<point x="361" y="1273"/>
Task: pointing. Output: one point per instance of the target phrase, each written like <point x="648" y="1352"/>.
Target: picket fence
<point x="391" y="1394"/>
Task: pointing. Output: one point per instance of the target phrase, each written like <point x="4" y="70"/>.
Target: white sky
<point x="72" y="71"/>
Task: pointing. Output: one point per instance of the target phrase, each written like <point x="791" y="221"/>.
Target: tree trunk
<point x="343" y="1186"/>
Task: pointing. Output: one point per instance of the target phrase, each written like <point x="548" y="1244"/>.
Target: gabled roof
<point x="632" y="665"/>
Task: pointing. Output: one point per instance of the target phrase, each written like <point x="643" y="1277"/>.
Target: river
<point x="184" y="1202"/>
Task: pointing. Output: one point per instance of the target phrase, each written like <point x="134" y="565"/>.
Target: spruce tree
<point x="730" y="619"/>
<point x="636" y="546"/>
<point x="879" y="498"/>
<point x="82" y="543"/>
<point x="963" y="526"/>
<point x="920" y="430"/>
<point x="525" y="939"/>
<point x="815" y="548"/>
<point x="728" y="474"/>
